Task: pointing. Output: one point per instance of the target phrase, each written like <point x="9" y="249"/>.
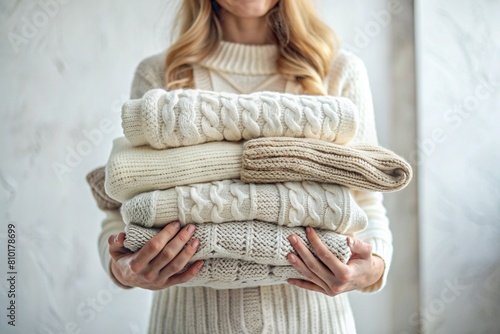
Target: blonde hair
<point x="306" y="45"/>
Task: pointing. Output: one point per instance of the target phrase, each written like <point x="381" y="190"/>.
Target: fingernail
<point x="308" y="229"/>
<point x="293" y="258"/>
<point x="177" y="224"/>
<point x="116" y="238"/>
<point x="195" y="243"/>
<point x="350" y="241"/>
<point x="293" y="239"/>
<point x="200" y="264"/>
<point x="190" y="228"/>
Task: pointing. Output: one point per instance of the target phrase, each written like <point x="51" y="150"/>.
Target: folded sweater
<point x="246" y="253"/>
<point x="185" y="117"/>
<point x="96" y="181"/>
<point x="360" y="167"/>
<point x="133" y="170"/>
<point x="254" y="241"/>
<point x="236" y="274"/>
<point x="325" y="206"/>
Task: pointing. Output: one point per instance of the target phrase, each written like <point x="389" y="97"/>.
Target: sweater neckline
<point x="243" y="59"/>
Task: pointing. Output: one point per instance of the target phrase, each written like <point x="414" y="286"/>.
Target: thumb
<point x="116" y="248"/>
<point x="359" y="248"/>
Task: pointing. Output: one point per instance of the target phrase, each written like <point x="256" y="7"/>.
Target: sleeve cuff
<point x="383" y="250"/>
<point x="349" y="122"/>
<point x="132" y="122"/>
<point x="112" y="224"/>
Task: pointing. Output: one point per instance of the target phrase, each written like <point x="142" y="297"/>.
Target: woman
<point x="245" y="46"/>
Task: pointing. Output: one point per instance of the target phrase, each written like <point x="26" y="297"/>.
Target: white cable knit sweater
<point x="185" y="117"/>
<point x="243" y="69"/>
<point x="324" y="206"/>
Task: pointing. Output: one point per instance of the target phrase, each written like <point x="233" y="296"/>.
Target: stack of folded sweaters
<point x="249" y="170"/>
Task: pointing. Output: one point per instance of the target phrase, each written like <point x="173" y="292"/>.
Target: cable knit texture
<point x="253" y="255"/>
<point x="244" y="69"/>
<point x="325" y="206"/>
<point x="359" y="167"/>
<point x="253" y="241"/>
<point x="185" y="117"/>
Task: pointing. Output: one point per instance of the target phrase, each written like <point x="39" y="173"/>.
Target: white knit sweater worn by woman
<point x="284" y="308"/>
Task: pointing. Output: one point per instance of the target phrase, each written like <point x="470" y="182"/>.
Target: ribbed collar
<point x="243" y="59"/>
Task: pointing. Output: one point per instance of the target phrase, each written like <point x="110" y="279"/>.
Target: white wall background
<point x="459" y="141"/>
<point x="73" y="71"/>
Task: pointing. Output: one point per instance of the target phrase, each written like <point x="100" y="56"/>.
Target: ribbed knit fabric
<point x="291" y="204"/>
<point x="359" y="167"/>
<point x="281" y="309"/>
<point x="237" y="68"/>
<point x="96" y="181"/>
<point x="133" y="170"/>
<point x="256" y="243"/>
<point x="185" y="117"/>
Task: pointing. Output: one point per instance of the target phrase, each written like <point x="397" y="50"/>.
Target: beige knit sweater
<point x="134" y="170"/>
<point x="237" y="68"/>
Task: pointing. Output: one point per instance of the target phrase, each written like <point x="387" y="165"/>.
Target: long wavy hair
<point x="306" y="45"/>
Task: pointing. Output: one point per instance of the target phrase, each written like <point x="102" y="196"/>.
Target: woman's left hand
<point x="326" y="273"/>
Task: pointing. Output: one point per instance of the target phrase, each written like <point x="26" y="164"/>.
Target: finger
<point x="191" y="272"/>
<point x="298" y="264"/>
<point x="324" y="254"/>
<point x="154" y="246"/>
<point x="306" y="285"/>
<point x="120" y="239"/>
<point x="172" y="249"/>
<point x="312" y="263"/>
<point x="116" y="248"/>
<point x="359" y="249"/>
<point x="180" y="261"/>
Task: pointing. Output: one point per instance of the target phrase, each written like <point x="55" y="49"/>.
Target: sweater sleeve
<point x="147" y="76"/>
<point x="112" y="224"/>
<point x="354" y="84"/>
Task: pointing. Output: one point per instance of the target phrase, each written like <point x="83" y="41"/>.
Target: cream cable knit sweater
<point x="254" y="249"/>
<point x="240" y="68"/>
<point x="324" y="206"/>
<point x="185" y="117"/>
<point x="267" y="243"/>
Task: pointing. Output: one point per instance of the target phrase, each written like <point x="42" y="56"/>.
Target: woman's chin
<point x="248" y="9"/>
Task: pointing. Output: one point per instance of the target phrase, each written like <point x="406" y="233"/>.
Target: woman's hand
<point x="157" y="264"/>
<point x="328" y="274"/>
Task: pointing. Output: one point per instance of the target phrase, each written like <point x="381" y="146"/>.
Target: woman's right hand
<point x="157" y="264"/>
